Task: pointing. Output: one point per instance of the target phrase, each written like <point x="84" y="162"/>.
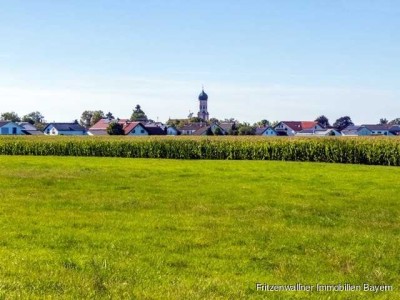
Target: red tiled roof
<point x="300" y="125"/>
<point x="192" y="127"/>
<point x="129" y="126"/>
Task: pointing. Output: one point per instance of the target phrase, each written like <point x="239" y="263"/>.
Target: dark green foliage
<point x="342" y="123"/>
<point x="138" y="115"/>
<point x="110" y="116"/>
<point x="246" y="129"/>
<point x="115" y="128"/>
<point x="368" y="150"/>
<point x="323" y="121"/>
<point x="91" y="117"/>
<point x="218" y="131"/>
<point x="262" y="123"/>
<point x="33" y="118"/>
<point x="395" y="122"/>
<point x="195" y="120"/>
<point x="10" y="116"/>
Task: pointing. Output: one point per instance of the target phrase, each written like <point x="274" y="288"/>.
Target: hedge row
<point x="368" y="150"/>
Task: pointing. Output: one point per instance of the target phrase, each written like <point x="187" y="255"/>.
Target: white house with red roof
<point x="291" y="128"/>
<point x="130" y="128"/>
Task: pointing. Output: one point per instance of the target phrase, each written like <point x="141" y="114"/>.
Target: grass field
<point x="167" y="229"/>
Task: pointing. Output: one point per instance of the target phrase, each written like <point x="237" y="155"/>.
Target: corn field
<point x="357" y="150"/>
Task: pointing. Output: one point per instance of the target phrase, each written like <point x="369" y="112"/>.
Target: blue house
<point x="10" y="128"/>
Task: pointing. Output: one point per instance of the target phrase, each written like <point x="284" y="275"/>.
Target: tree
<point x="395" y="122"/>
<point x="262" y="123"/>
<point x="383" y="121"/>
<point x="214" y="120"/>
<point x="91" y="117"/>
<point x="230" y="120"/>
<point x="10" y="116"/>
<point x="33" y="118"/>
<point x="97" y="116"/>
<point x="323" y="121"/>
<point x="110" y="116"/>
<point x="114" y="128"/>
<point x="342" y="123"/>
<point x="138" y="115"/>
<point x="218" y="131"/>
<point x="195" y="120"/>
<point x="274" y="123"/>
<point x="246" y="129"/>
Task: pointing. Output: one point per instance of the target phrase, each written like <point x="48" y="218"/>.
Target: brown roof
<point x="226" y="126"/>
<point x="192" y="127"/>
<point x="103" y="123"/>
<point x="129" y="126"/>
<point x="201" y="130"/>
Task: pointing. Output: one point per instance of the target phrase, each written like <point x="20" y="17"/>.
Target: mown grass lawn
<point x="167" y="229"/>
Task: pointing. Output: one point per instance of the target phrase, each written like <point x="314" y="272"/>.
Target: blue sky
<point x="279" y="60"/>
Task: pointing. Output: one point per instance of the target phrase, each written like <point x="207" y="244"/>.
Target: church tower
<point x="203" y="112"/>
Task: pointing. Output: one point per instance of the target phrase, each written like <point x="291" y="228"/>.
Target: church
<point x="203" y="110"/>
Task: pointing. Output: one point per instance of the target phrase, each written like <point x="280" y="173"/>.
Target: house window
<point x="4" y="131"/>
<point x="142" y="131"/>
<point x="134" y="131"/>
<point x="14" y="130"/>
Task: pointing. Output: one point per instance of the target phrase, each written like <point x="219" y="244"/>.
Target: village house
<point x="135" y="128"/>
<point x="11" y="128"/>
<point x="324" y="132"/>
<point x="266" y="131"/>
<point x="64" y="129"/>
<point x="291" y="128"/>
<point x="395" y="129"/>
<point x="129" y="127"/>
<point x="210" y="129"/>
<point x="171" y="130"/>
<point x="380" y="129"/>
<point x="29" y="129"/>
<point x="191" y="128"/>
<point x="356" y="131"/>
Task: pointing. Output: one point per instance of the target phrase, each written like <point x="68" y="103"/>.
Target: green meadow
<point x="115" y="228"/>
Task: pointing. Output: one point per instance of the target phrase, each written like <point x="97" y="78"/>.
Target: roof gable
<point x="376" y="127"/>
<point x="66" y="126"/>
<point x="129" y="126"/>
<point x="2" y="123"/>
<point x="300" y="125"/>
